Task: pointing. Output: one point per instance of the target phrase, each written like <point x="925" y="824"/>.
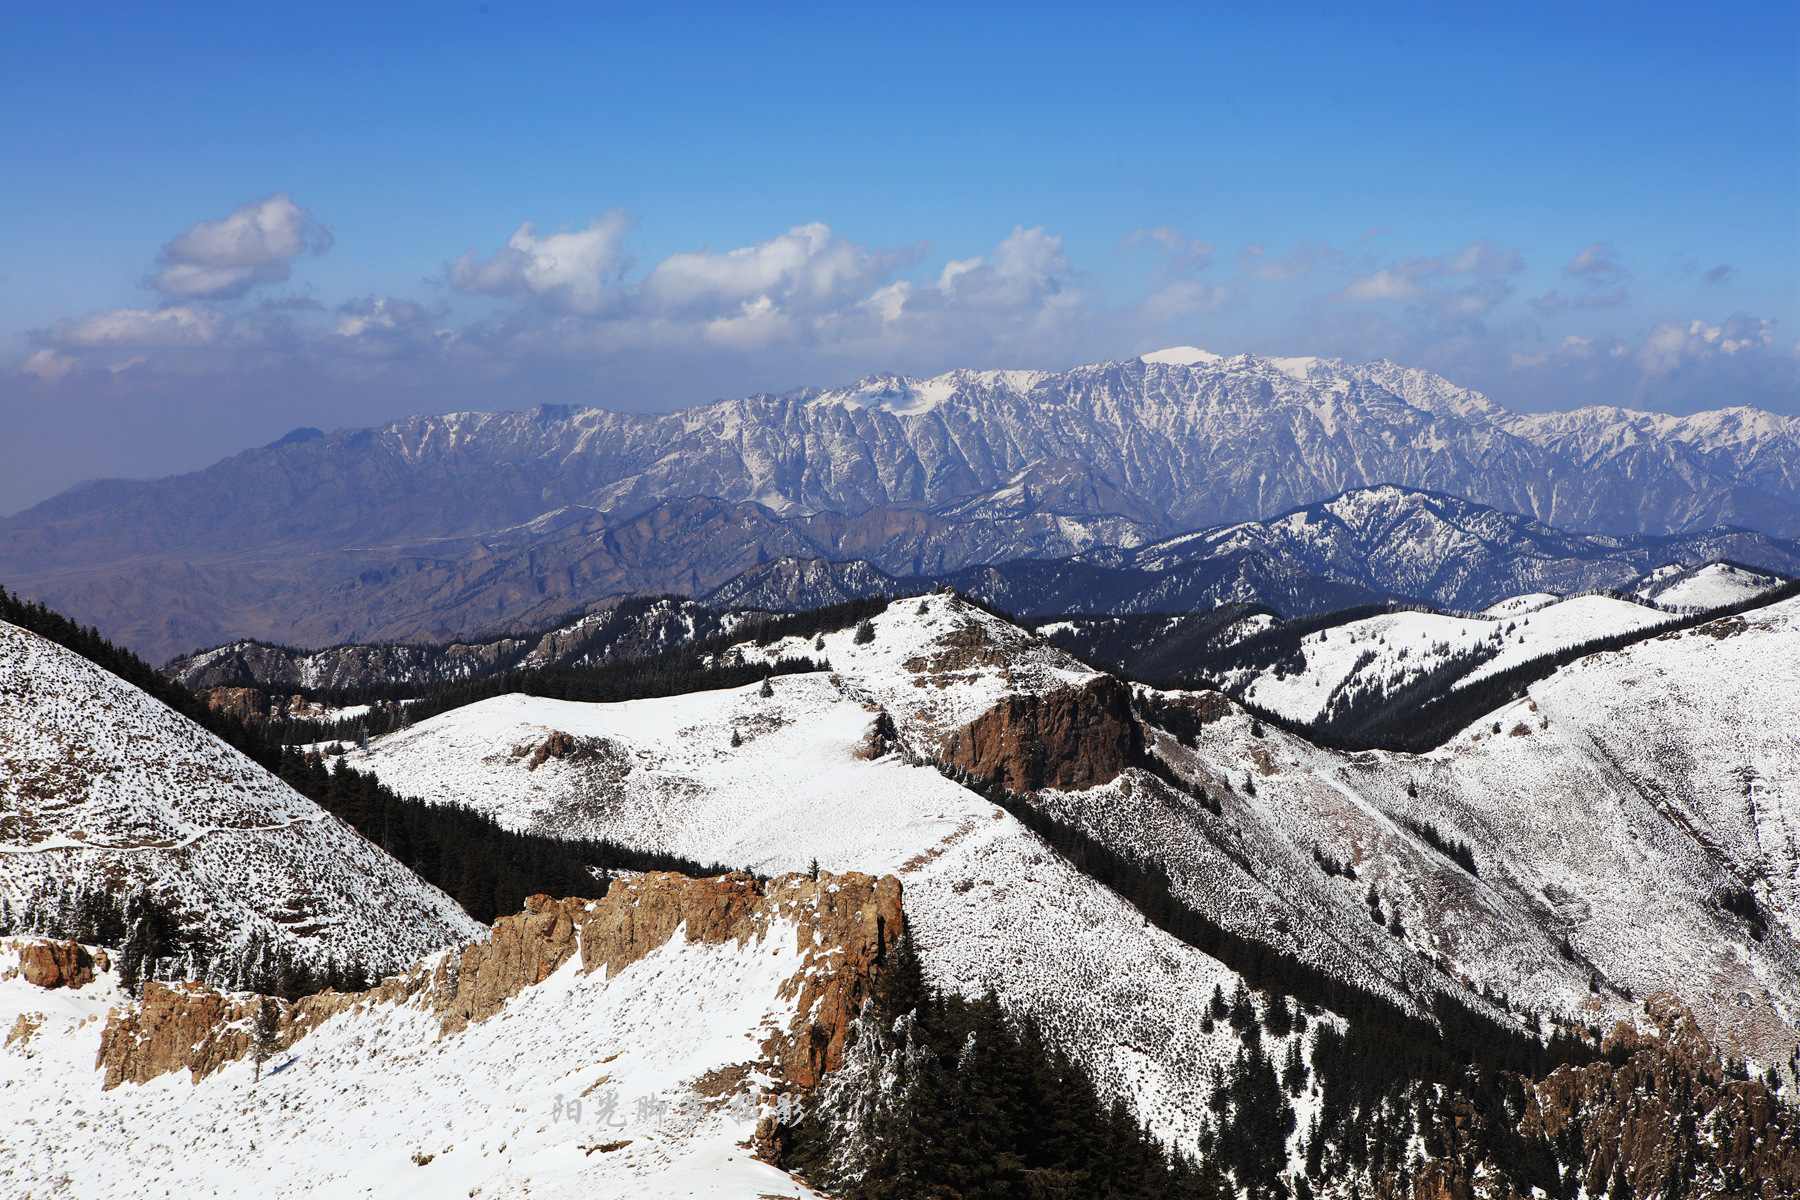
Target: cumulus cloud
<point x="1673" y="345"/>
<point x="218" y="260"/>
<point x="808" y="269"/>
<point x="1373" y="232"/>
<point x="574" y="272"/>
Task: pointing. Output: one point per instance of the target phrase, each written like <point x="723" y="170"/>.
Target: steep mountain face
<point x="437" y="519"/>
<point x="106" y="790"/>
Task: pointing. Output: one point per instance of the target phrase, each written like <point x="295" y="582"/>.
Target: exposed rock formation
<point x="844" y="923"/>
<point x="1659" y="1116"/>
<point x="843" y="926"/>
<point x="192" y="1027"/>
<point x="1070" y="739"/>
<point x="56" y="964"/>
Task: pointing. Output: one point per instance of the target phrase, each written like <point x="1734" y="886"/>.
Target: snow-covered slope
<point x="378" y="1100"/>
<point x="105" y="788"/>
<point x="1384" y="654"/>
<point x="1624" y="818"/>
<point x="990" y="905"/>
<point x="1583" y="863"/>
<point x="1713" y="585"/>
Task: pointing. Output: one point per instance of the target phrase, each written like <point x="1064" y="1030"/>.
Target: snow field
<point x="354" y="1105"/>
<point x="989" y="904"/>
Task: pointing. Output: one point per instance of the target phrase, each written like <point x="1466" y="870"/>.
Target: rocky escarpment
<point x="1658" y="1116"/>
<point x="843" y="926"/>
<point x="1069" y="739"/>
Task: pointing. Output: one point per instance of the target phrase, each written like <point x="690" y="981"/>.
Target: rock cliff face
<point x="843" y="925"/>
<point x="56" y="964"/>
<point x="1068" y="740"/>
<point x="1659" y="1117"/>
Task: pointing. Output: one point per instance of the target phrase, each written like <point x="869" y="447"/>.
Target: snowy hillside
<point x="106" y="788"/>
<point x="640" y="1086"/>
<point x="1623" y="818"/>
<point x="989" y="904"/>
<point x="1384" y="654"/>
<point x="664" y="772"/>
<point x="1713" y="585"/>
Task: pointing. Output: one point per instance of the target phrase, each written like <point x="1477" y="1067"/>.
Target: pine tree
<point x="901" y="987"/>
<point x="865" y="633"/>
<point x="265" y="1034"/>
<point x="765" y="691"/>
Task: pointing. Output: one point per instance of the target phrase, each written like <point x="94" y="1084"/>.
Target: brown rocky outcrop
<point x="843" y="925"/>
<point x="1069" y="739"/>
<point x="1657" y="1116"/>
<point x="56" y="964"/>
<point x="175" y="1026"/>
<point x="244" y="703"/>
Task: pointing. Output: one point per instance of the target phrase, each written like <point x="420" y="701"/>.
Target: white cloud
<point x="1389" y="283"/>
<point x="1596" y="262"/>
<point x="48" y="365"/>
<point x="574" y="272"/>
<point x="1673" y="345"/>
<point x="180" y="326"/>
<point x="226" y="258"/>
<point x="808" y="269"/>
<point x="1024" y="272"/>
<point x="1411" y="278"/>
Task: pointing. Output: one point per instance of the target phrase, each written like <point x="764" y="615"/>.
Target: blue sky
<point x="221" y="222"/>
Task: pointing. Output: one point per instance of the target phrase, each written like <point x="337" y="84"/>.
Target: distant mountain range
<point x="439" y="527"/>
<point x="1369" y="546"/>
